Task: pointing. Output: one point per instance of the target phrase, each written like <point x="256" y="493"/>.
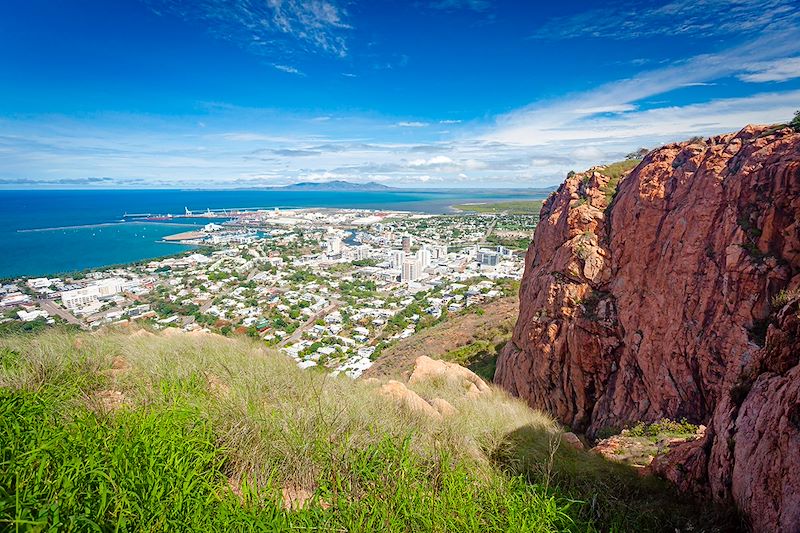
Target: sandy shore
<point x="186" y="235"/>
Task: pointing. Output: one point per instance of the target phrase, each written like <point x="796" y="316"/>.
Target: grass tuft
<point x="208" y="433"/>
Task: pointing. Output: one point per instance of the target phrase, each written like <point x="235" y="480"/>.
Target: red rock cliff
<point x="679" y="298"/>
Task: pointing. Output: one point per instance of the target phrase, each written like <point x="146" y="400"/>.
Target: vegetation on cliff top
<point x="520" y="207"/>
<point x="164" y="433"/>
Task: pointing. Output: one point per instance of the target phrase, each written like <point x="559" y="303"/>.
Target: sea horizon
<point x="47" y="232"/>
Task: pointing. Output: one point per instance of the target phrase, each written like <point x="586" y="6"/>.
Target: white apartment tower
<point x="424" y="257"/>
<point x="412" y="270"/>
<point x="396" y="258"/>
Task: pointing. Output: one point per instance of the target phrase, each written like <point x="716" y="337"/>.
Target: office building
<point x="488" y="258"/>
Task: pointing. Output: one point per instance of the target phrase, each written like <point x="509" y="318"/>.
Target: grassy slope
<point x="210" y="430"/>
<point x="520" y="207"/>
<point x="469" y="339"/>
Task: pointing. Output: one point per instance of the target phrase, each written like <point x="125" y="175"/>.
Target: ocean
<point x="51" y="232"/>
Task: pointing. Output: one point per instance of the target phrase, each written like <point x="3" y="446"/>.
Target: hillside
<point x="142" y="432"/>
<point x="672" y="292"/>
<point x="470" y="339"/>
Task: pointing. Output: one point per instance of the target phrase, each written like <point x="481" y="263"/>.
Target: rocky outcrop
<point x="431" y="371"/>
<point x="409" y="399"/>
<point x="427" y="369"/>
<point x="672" y="294"/>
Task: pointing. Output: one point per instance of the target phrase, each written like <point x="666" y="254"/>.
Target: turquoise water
<point x="64" y="250"/>
<point x="76" y="230"/>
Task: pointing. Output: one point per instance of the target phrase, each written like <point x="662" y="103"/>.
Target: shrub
<point x="784" y="297"/>
<point x="795" y="123"/>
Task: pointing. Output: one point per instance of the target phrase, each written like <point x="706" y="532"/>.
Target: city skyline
<point x="451" y="93"/>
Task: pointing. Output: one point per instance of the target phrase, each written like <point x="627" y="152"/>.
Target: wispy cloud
<point x="288" y="69"/>
<point x="452" y="5"/>
<point x="778" y="70"/>
<point x="699" y="18"/>
<point x="268" y="27"/>
<point x="411" y="124"/>
<point x="530" y="146"/>
<point x="580" y="114"/>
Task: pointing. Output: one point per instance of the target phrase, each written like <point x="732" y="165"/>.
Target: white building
<point x="39" y="283"/>
<point x="104" y="288"/>
<point x="361" y="252"/>
<point x="424" y="257"/>
<point x="488" y="258"/>
<point x="110" y="286"/>
<point x="412" y="270"/>
<point x="438" y="251"/>
<point x="333" y="246"/>
<point x="396" y="258"/>
<point x="77" y="298"/>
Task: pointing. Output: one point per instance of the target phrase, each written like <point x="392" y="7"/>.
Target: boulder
<point x="427" y="369"/>
<point x="409" y="399"/>
<point x="572" y="440"/>
<point x="443" y="407"/>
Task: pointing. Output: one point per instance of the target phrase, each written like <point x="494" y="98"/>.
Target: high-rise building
<point x="334" y="245"/>
<point x="396" y="258"/>
<point x="411" y="270"/>
<point x="424" y="257"/>
<point x="406" y="243"/>
<point x="438" y="251"/>
<point x="361" y="252"/>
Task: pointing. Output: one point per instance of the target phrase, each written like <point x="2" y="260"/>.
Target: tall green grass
<point x="211" y="431"/>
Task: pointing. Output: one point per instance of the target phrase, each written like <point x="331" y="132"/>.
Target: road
<point x="205" y="307"/>
<point x="310" y="322"/>
<point x="53" y="309"/>
<point x="491" y="228"/>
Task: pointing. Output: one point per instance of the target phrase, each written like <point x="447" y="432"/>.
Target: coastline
<point x="83" y="236"/>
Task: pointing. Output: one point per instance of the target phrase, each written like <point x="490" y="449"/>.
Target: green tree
<point x="795" y="123"/>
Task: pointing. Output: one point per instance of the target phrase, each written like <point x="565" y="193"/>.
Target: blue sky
<point x="448" y="93"/>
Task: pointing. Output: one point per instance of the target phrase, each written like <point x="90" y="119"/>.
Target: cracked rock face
<point x="677" y="300"/>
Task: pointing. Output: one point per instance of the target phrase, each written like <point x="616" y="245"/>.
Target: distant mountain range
<point x="371" y="186"/>
<point x="337" y="185"/>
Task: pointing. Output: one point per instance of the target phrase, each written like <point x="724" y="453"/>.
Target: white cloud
<point x="534" y="145"/>
<point x="590" y="153"/>
<point x="411" y="124"/>
<point x="778" y="70"/>
<point x="613" y="108"/>
<point x="268" y="26"/>
<point x="603" y="111"/>
<point x="288" y="69"/>
<point x="438" y="160"/>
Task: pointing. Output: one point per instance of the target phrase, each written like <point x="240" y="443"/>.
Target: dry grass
<point x="268" y="414"/>
<point x="493" y="326"/>
<point x="225" y="432"/>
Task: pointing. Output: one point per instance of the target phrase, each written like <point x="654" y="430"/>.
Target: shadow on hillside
<point x="611" y="496"/>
